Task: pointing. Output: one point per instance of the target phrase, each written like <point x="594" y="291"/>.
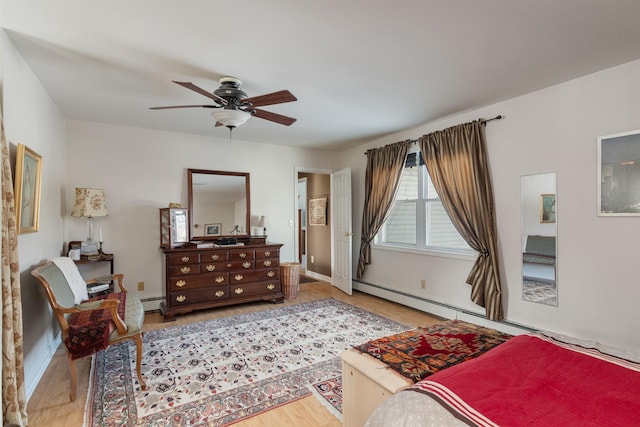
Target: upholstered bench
<point x="540" y="250"/>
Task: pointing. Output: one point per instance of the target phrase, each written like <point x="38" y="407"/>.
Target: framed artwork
<point x="619" y="174"/>
<point x="547" y="208"/>
<point x="318" y="211"/>
<point x="213" y="229"/>
<point x="27" y="189"/>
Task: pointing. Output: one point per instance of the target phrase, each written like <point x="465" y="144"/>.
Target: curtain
<point x="457" y="164"/>
<point x="14" y="401"/>
<point x="382" y="178"/>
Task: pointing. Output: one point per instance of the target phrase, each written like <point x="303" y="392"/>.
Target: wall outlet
<point x="313" y="260"/>
<point x="290" y="223"/>
<point x="140" y="286"/>
<point x="423" y="284"/>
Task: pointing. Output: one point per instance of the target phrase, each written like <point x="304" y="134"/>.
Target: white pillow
<point x="76" y="282"/>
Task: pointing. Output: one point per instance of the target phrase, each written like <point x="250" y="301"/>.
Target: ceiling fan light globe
<point x="231" y="118"/>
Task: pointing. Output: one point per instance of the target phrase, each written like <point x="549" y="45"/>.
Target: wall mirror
<point x="219" y="204"/>
<point x="538" y="197"/>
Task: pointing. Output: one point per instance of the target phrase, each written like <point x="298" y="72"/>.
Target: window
<point x="418" y="219"/>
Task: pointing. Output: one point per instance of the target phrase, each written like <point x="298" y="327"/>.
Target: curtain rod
<point x="484" y="122"/>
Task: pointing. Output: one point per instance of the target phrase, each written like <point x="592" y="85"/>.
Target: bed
<point x="376" y="370"/>
<point x="531" y="379"/>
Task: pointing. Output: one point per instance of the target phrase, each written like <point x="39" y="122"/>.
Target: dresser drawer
<point x="183" y="258"/>
<point x="267" y="253"/>
<point x="213" y="267"/>
<point x="241" y="254"/>
<point x="184" y="270"/>
<point x="236" y="277"/>
<point x="193" y="296"/>
<point x="248" y="289"/>
<point x="266" y="263"/>
<point x="239" y="265"/>
<point x="197" y="281"/>
<point x="213" y="256"/>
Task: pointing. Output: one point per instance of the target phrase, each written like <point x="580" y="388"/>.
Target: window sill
<point x="462" y="254"/>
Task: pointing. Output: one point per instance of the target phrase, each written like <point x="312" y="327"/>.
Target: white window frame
<point x="421" y="247"/>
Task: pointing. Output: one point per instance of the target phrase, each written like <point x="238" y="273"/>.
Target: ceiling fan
<point x="233" y="106"/>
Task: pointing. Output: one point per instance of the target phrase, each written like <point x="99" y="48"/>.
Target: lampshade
<point x="230" y="118"/>
<point x="89" y="203"/>
<point x="263" y="221"/>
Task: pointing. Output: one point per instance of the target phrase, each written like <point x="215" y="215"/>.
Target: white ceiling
<point x="359" y="68"/>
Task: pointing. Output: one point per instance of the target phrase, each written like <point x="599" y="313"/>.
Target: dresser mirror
<point x="219" y="204"/>
<point x="539" y="238"/>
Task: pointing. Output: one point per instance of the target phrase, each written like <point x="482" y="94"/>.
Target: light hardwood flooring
<point x="50" y="405"/>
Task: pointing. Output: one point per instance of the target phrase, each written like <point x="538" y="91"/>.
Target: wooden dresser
<point x="199" y="278"/>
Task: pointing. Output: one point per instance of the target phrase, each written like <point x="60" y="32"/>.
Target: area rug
<point x="220" y="371"/>
<point x="420" y="352"/>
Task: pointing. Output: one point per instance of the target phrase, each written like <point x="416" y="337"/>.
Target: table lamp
<point x="263" y="223"/>
<point x="89" y="203"/>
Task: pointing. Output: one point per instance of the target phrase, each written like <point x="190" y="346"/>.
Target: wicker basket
<point x="290" y="275"/>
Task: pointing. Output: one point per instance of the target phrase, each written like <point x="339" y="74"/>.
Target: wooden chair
<point x="62" y="299"/>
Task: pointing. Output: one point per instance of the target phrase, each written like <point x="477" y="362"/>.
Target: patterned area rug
<point x="220" y="371"/>
<point x="420" y="352"/>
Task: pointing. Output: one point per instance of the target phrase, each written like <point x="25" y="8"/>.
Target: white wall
<point x="142" y="170"/>
<point x="554" y="129"/>
<point x="31" y="118"/>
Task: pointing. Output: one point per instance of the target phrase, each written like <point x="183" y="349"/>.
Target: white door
<point x="341" y="269"/>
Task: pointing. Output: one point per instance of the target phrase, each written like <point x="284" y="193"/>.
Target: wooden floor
<point x="50" y="405"/>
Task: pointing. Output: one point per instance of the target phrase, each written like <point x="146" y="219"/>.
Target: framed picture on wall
<point x="318" y="211"/>
<point x="619" y="174"/>
<point x="27" y="189"/>
<point x="547" y="208"/>
<point x="213" y="229"/>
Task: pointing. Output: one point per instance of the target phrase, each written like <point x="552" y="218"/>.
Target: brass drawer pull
<point x="229" y="265"/>
<point x="215" y="257"/>
<point x="185" y="270"/>
<point x="219" y="279"/>
<point x="267" y="263"/>
<point x="185" y="259"/>
<point x="267" y="253"/>
<point x="181" y="298"/>
<point x="210" y="267"/>
<point x="181" y="283"/>
<point x="246" y="264"/>
<point x="243" y="255"/>
<point x="219" y="294"/>
<point x="271" y="286"/>
<point x="271" y="273"/>
<point x="238" y="291"/>
<point x="239" y="277"/>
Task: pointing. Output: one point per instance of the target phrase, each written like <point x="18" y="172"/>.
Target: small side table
<point x="103" y="257"/>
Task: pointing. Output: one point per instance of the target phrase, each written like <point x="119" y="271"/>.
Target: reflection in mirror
<point x="539" y="238"/>
<point x="219" y="203"/>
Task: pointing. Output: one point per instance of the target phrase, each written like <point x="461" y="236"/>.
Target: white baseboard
<point x="152" y="304"/>
<point x="439" y="309"/>
<point x="31" y="382"/>
<point x="320" y="277"/>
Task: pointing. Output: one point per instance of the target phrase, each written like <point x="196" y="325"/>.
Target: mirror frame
<point x="244" y="175"/>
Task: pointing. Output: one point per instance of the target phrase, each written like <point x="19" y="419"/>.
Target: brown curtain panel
<point x="457" y="163"/>
<point x="14" y="401"/>
<point x="384" y="169"/>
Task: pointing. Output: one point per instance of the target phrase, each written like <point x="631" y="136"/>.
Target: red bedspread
<point x="534" y="381"/>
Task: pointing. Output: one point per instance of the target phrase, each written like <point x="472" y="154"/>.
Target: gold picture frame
<point x="27" y="189"/>
<point x="547" y="208"/>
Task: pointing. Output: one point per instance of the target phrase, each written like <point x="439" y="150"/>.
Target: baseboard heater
<point x="437" y="308"/>
<point x="147" y="303"/>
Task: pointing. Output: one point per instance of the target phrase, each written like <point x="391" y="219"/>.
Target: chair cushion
<point x="133" y="317"/>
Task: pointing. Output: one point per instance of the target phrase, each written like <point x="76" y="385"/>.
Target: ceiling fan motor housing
<point x="230" y="90"/>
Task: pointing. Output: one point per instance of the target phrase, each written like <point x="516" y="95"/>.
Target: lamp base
<point x="89" y="248"/>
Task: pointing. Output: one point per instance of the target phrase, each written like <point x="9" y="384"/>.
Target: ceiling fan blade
<point x="201" y="91"/>
<point x="278" y="118"/>
<point x="184" y="106"/>
<point x="271" y="98"/>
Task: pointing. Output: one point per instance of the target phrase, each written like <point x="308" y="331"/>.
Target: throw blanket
<point x="89" y="330"/>
<point x="532" y="380"/>
<point x="420" y="352"/>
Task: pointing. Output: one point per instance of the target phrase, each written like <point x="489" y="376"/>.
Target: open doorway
<point x="313" y="238"/>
